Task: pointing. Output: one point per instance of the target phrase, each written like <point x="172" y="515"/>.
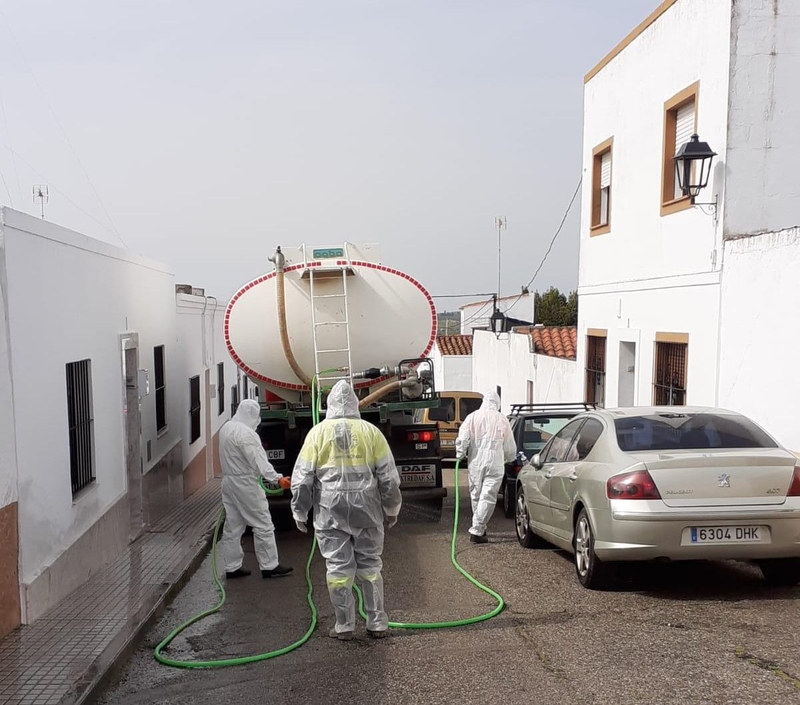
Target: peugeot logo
<point x="724" y="480"/>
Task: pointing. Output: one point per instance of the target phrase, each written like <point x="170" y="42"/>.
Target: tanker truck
<point x="335" y="313"/>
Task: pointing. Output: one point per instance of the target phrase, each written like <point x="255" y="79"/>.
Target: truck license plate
<point x="728" y="534"/>
<point x="418" y="474"/>
<point x="276" y="454"/>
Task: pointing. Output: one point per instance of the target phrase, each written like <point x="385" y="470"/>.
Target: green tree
<point x="555" y="309"/>
<point x="572" y="309"/>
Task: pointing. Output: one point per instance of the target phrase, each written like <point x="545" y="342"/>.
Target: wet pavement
<point x="689" y="633"/>
<point x="64" y="654"/>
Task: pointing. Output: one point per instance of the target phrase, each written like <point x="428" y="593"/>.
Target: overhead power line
<point x="59" y="191"/>
<point x="552" y="242"/>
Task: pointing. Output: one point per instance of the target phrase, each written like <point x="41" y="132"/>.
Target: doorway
<point x="627" y="374"/>
<point x="133" y="434"/>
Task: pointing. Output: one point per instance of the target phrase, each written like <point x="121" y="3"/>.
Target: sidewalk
<point x="61" y="657"/>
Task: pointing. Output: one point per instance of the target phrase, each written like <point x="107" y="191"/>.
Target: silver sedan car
<point x="675" y="483"/>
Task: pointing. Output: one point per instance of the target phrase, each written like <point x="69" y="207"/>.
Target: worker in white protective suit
<point x="346" y="473"/>
<point x="485" y="439"/>
<point x="243" y="461"/>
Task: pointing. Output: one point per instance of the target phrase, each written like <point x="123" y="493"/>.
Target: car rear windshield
<point x="537" y="430"/>
<point x="677" y="431"/>
<point x="467" y="405"/>
<point x="446" y="411"/>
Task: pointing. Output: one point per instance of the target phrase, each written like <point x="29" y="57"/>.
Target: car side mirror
<point x="536" y="461"/>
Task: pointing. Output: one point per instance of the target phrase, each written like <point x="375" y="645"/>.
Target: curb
<point x="125" y="642"/>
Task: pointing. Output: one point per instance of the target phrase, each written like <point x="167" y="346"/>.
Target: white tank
<point x="391" y="317"/>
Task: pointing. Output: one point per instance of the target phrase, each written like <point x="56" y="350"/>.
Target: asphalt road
<point x="687" y="633"/>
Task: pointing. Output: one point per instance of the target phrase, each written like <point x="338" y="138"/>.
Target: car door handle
<point x="548" y="475"/>
<point x="573" y="477"/>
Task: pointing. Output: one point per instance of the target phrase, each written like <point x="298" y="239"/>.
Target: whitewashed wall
<point x="761" y="332"/>
<point x="508" y="362"/>
<point x="451" y="372"/>
<point x="201" y="346"/>
<point x="689" y="42"/>
<point x="8" y="450"/>
<point x="457" y="371"/>
<point x="763" y="191"/>
<point x="69" y="299"/>
<point x="638" y="315"/>
<point x="64" y="298"/>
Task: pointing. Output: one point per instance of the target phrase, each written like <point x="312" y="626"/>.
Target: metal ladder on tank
<point x="320" y="354"/>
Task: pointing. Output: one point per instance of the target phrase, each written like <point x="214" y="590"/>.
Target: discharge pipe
<point x="410" y="383"/>
<point x="279" y="260"/>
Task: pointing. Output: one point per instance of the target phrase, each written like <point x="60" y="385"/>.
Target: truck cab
<point x="415" y="444"/>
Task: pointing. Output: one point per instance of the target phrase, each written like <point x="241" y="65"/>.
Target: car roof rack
<point x="517" y="409"/>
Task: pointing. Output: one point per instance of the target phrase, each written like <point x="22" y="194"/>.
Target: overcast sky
<point x="212" y="132"/>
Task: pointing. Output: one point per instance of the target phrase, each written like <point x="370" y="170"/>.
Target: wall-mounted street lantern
<point x="693" y="169"/>
<point x="497" y="320"/>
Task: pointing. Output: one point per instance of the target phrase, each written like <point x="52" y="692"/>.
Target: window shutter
<point x="684" y="124"/>
<point x="605" y="170"/>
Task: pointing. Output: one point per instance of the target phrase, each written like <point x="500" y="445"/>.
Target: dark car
<point x="533" y="425"/>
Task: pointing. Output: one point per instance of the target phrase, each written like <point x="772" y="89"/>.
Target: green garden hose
<point x="222" y="663"/>
<point x="242" y="660"/>
<point x="458" y="622"/>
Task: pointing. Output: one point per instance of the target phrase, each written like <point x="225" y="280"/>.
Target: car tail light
<point x="421" y="436"/>
<point x="632" y="485"/>
<point x="794" y="488"/>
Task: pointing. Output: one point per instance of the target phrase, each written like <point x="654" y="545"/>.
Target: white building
<point x="531" y="365"/>
<point x="86" y="328"/>
<point x="683" y="303"/>
<point x="452" y="363"/>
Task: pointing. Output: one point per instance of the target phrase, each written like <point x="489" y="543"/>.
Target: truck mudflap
<point x="424" y="493"/>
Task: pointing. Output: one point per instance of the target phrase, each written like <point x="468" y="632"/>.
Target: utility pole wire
<point x="57" y="190"/>
<point x="459" y="296"/>
<point x="552" y="242"/>
<point x="13" y="159"/>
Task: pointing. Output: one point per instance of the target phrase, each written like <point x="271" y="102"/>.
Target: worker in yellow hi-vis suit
<point x="346" y="472"/>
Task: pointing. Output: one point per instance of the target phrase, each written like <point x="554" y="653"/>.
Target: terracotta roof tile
<point x="555" y="341"/>
<point x="455" y="344"/>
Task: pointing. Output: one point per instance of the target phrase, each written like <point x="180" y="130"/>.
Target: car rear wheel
<point x="781" y="571"/>
<point x="509" y="499"/>
<point x="592" y="573"/>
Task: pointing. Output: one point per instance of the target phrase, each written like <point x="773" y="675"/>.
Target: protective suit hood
<point x="342" y="402"/>
<point x="491" y="401"/>
<point x="248" y="413"/>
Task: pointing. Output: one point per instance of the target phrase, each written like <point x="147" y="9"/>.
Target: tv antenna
<point x="500" y="223"/>
<point x="41" y="194"/>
